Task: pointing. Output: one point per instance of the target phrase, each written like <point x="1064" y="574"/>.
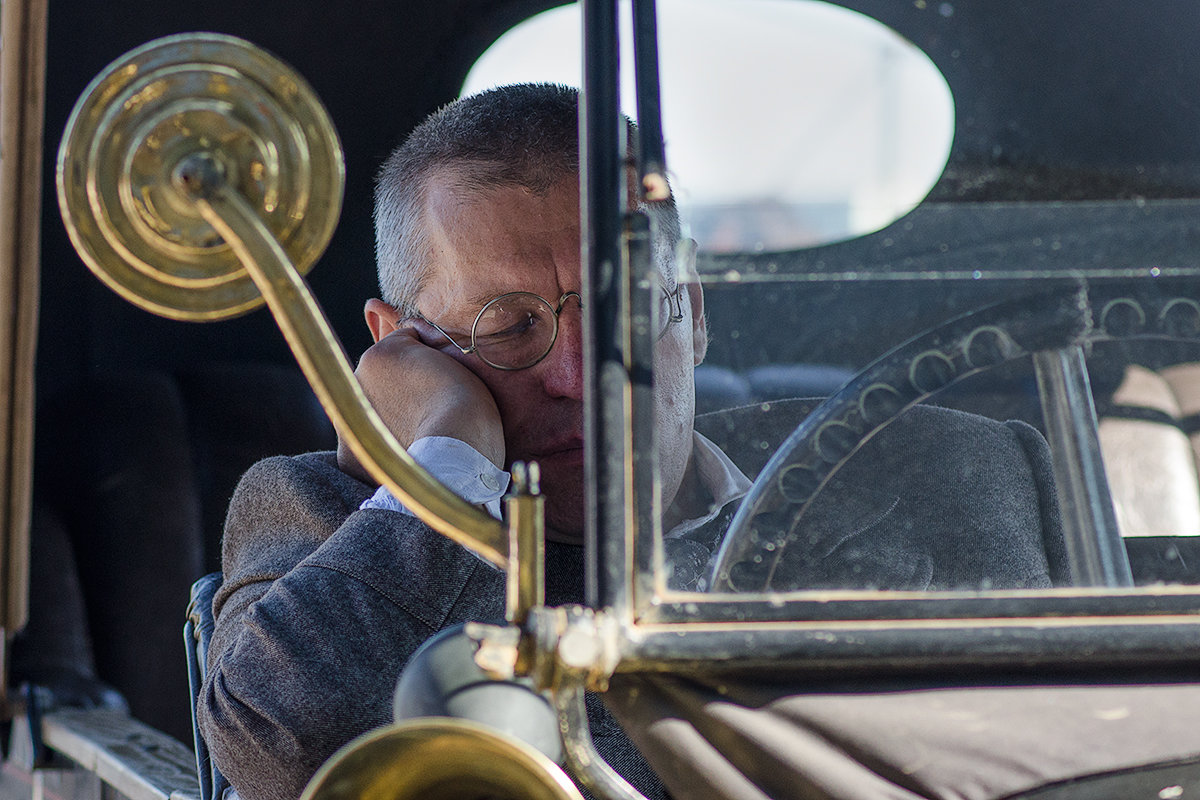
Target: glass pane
<point x="1036" y="310"/>
<point x="1055" y="252"/>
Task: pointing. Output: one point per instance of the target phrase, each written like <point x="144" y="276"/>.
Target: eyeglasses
<point x="517" y="330"/>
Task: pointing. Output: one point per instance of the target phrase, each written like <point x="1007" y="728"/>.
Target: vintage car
<point x="969" y="270"/>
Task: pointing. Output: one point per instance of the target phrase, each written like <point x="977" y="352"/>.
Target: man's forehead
<point x="450" y="195"/>
<point x="485" y="242"/>
<point x="489" y="240"/>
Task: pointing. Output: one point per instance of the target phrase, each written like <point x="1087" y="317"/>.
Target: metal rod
<point x="836" y="650"/>
<point x="22" y="77"/>
<point x="652" y="158"/>
<point x="642" y="276"/>
<point x="603" y="199"/>
<point x="1095" y="551"/>
<point x="525" y="511"/>
<point x="580" y="752"/>
<point x="323" y="362"/>
<point x="641" y="279"/>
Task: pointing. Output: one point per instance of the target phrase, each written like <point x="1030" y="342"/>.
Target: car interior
<point x="145" y="424"/>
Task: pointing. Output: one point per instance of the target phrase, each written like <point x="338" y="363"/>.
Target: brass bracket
<point x="556" y="646"/>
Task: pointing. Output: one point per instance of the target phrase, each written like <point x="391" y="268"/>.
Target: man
<point x="330" y="584"/>
<point x="330" y="587"/>
<point x="495" y="221"/>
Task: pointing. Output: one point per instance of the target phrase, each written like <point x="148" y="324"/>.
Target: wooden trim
<point x="137" y="761"/>
<point x="22" y="93"/>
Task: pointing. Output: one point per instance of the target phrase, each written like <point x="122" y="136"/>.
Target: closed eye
<point x="519" y="328"/>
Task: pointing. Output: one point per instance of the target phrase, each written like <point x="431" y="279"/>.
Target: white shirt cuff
<point x="462" y="468"/>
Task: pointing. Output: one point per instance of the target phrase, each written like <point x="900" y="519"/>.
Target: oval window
<point x="788" y="123"/>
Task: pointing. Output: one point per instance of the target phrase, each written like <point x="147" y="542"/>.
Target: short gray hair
<point x="520" y="135"/>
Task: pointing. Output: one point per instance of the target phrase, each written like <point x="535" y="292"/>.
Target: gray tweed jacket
<point x="322" y="604"/>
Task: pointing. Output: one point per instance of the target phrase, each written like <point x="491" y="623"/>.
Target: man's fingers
<point x="419" y="387"/>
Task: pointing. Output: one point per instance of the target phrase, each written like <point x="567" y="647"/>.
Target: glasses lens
<point x="514" y="330"/>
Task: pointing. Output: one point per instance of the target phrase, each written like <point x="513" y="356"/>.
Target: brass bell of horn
<point x="458" y="734"/>
<point x="439" y="758"/>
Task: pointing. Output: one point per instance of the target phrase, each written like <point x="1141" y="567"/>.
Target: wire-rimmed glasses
<point x="517" y="329"/>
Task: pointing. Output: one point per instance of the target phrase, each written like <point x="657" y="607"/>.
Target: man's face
<point x="511" y="239"/>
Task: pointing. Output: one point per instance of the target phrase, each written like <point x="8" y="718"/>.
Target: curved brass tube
<point x="324" y="363"/>
<point x="584" y="762"/>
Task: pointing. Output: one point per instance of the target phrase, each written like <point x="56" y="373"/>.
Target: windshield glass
<point x="994" y="391"/>
<point x="952" y="443"/>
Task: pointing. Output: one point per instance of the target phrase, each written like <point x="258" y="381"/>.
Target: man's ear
<point x="381" y="318"/>
<point x="699" y="324"/>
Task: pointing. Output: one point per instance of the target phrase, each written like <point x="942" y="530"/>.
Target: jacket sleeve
<point x="322" y="604"/>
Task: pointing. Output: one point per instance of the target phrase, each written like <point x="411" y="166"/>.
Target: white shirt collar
<point x="720" y="476"/>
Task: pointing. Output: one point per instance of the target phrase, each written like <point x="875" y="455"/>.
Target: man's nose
<point x="562" y="369"/>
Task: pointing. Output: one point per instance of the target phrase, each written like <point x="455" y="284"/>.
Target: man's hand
<point x="420" y="391"/>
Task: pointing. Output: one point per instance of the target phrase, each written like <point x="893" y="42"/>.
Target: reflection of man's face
<point x="512" y="239"/>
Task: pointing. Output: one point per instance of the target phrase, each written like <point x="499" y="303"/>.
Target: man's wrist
<point x="457" y="465"/>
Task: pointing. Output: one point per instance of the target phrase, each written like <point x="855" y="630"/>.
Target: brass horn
<point x="458" y="734"/>
<point x="439" y="758"/>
